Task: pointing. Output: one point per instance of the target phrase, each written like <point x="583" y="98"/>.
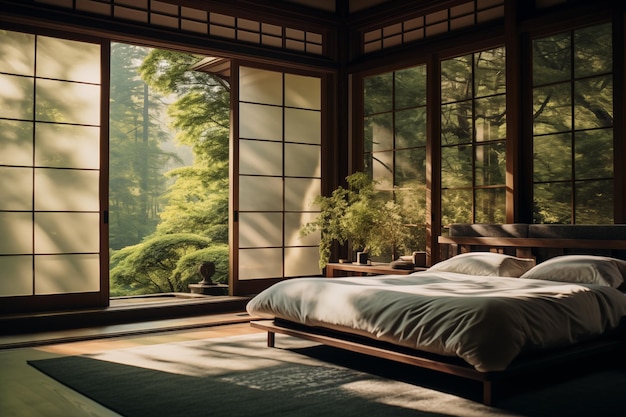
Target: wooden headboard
<point x="538" y="241"/>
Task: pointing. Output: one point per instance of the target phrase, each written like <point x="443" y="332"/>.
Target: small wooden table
<point x="358" y="270"/>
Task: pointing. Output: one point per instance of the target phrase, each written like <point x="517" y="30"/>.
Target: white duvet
<point x="487" y="321"/>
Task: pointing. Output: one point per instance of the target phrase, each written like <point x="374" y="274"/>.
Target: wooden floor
<point x="26" y="392"/>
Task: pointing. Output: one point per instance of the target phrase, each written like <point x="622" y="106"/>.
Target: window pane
<point x="410" y="128"/>
<point x="67" y="146"/>
<point x="260" y="86"/>
<point x="293" y="224"/>
<point x="378" y="93"/>
<point x="16" y="97"/>
<point x="16" y="143"/>
<point x="594" y="154"/>
<point x="303" y="126"/>
<point x="456" y="206"/>
<point x="382" y="170"/>
<point x="260" y="263"/>
<point x="552" y="59"/>
<point x="490" y="119"/>
<point x="68" y="102"/>
<point x="300" y="193"/>
<point x="456" y="123"/>
<point x="260" y="229"/>
<point x="16" y="188"/>
<point x="17" y="276"/>
<point x="552" y="109"/>
<point x="456" y="79"/>
<point x="301" y="262"/>
<point x="257" y="121"/>
<point x="553" y="203"/>
<point x="302" y="160"/>
<point x="66" y="232"/>
<point x="410" y="87"/>
<point x="16" y="230"/>
<point x="593" y="50"/>
<point x="303" y="92"/>
<point x="594" y="202"/>
<point x="490" y="204"/>
<point x="260" y="193"/>
<point x="410" y="167"/>
<point x="593" y="102"/>
<point x="456" y="166"/>
<point x="260" y="157"/>
<point x="18" y="53"/>
<point x="490" y="76"/>
<point x="66" y="189"/>
<point x="413" y="202"/>
<point x="379" y="132"/>
<point x="417" y="238"/>
<point x="63" y="59"/>
<point x="490" y="164"/>
<point x="60" y="274"/>
<point x="552" y="157"/>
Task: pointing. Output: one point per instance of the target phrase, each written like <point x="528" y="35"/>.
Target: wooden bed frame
<point x="522" y="247"/>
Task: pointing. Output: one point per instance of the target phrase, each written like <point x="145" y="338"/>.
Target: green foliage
<point x="153" y="266"/>
<point x="360" y="215"/>
<point x="197" y="199"/>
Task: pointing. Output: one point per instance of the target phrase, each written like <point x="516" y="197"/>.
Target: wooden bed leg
<point x="271" y="339"/>
<point x="487" y="393"/>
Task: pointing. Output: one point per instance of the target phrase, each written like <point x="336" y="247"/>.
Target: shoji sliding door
<point x="276" y="162"/>
<point x="50" y="173"/>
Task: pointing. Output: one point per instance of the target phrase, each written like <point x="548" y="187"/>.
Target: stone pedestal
<point x="209" y="289"/>
<point x="206" y="286"/>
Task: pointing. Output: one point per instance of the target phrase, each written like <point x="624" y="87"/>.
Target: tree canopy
<point x="197" y="201"/>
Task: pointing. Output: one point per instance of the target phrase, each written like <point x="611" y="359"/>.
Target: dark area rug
<point x="239" y="376"/>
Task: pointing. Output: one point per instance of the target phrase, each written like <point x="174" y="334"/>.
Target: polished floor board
<point x="98" y="332"/>
<point x="26" y="392"/>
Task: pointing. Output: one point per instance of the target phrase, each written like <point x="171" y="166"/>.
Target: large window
<point x="573" y="127"/>
<point x="395" y="142"/>
<point x="473" y="138"/>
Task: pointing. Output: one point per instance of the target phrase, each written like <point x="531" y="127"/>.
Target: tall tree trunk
<point x="143" y="165"/>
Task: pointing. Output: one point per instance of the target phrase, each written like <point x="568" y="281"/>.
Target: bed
<point x="482" y="314"/>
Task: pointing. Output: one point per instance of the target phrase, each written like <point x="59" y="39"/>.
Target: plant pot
<point x="362" y="258"/>
<point x="419" y="258"/>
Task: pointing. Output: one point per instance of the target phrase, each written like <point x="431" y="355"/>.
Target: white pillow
<point x="485" y="264"/>
<point x="584" y="269"/>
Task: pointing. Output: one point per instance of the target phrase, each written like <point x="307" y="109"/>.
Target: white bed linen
<point x="487" y="321"/>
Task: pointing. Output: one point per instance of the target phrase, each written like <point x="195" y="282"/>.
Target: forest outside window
<point x="395" y="143"/>
<point x="473" y="138"/>
<point x="573" y="127"/>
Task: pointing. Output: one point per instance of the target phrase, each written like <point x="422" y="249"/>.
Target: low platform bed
<point x="451" y="366"/>
<point x="483" y="314"/>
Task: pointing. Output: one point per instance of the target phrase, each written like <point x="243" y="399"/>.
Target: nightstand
<point x="354" y="269"/>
